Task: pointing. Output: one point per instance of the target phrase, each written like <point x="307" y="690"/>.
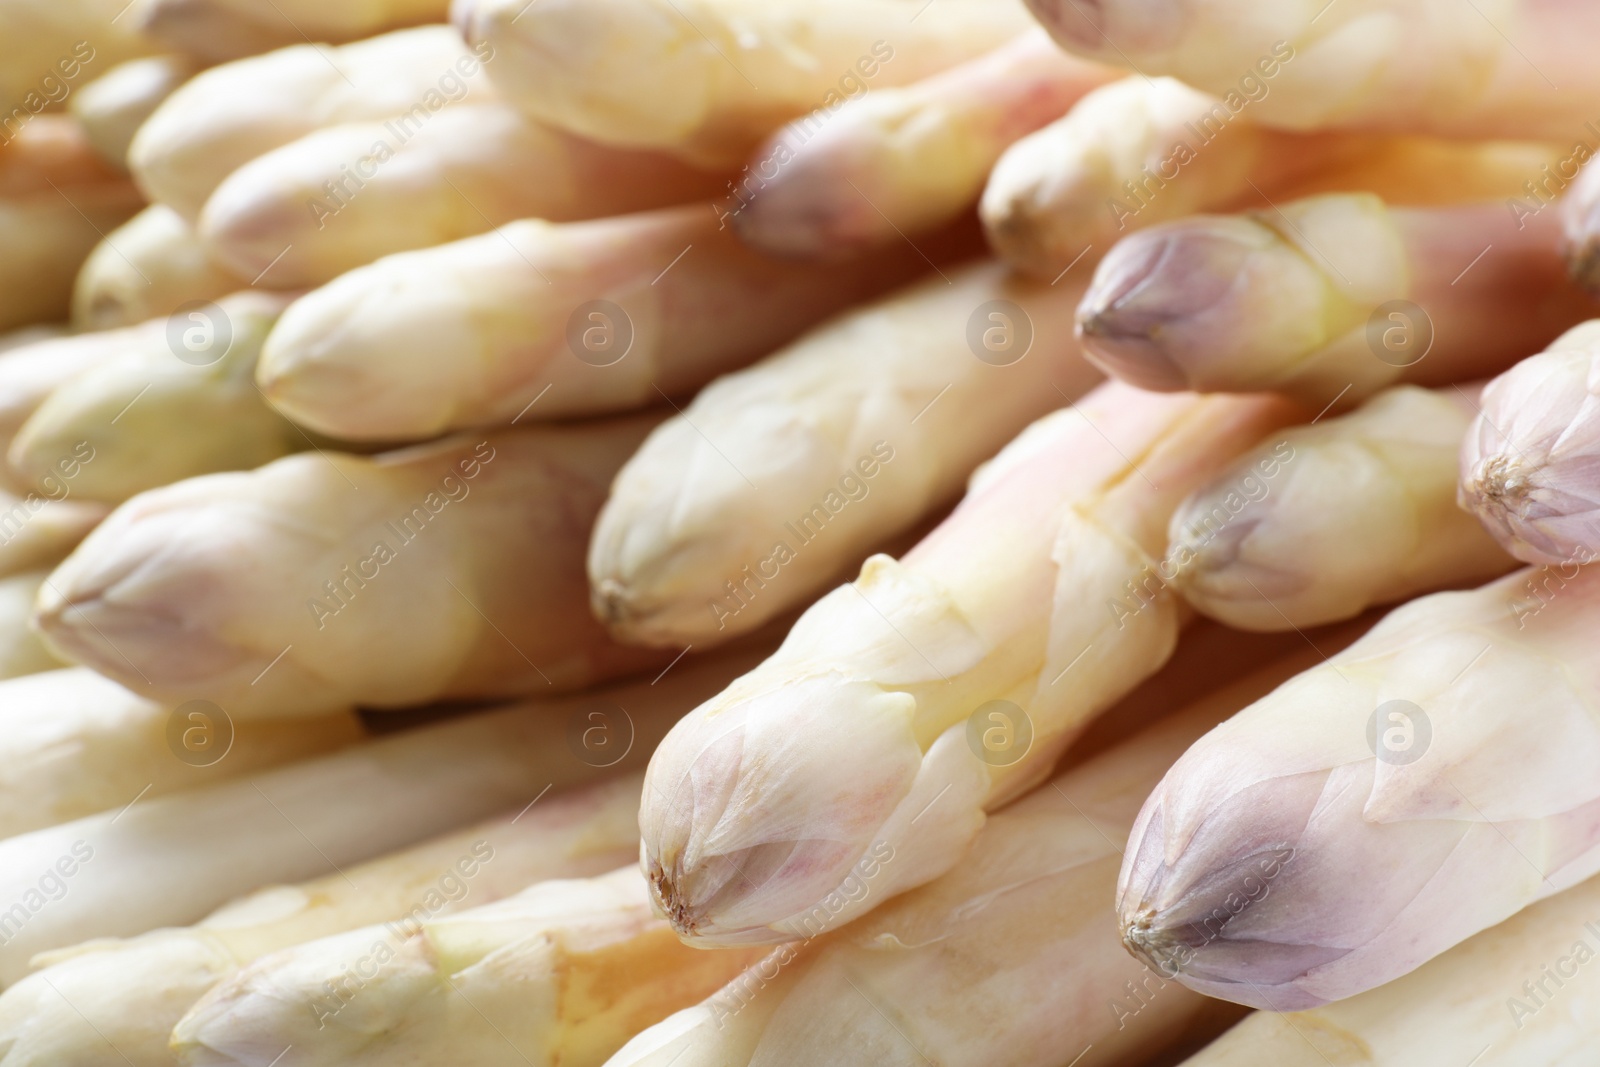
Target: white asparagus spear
<point x="130" y="993"/>
<point x="73" y="743"/>
<point x="559" y="975"/>
<point x="1148" y="150"/>
<point x="1518" y="70"/>
<point x="683" y="301"/>
<point x="154" y="415"/>
<point x="341" y="197"/>
<point x="220" y="30"/>
<point x="1517" y="994"/>
<point x="1527" y="461"/>
<point x="448" y="571"/>
<point x="1017" y="932"/>
<point x="781" y="478"/>
<point x="1332" y="297"/>
<point x="21" y="651"/>
<point x="1267" y="545"/>
<point x="227" y="116"/>
<point x="951" y="680"/>
<point x="39" y="529"/>
<point x="57" y="199"/>
<point x="1444" y="763"/>
<point x="145" y="269"/>
<point x="709" y="79"/>
<point x="48" y="48"/>
<point x="113" y="106"/>
<point x="903" y="160"/>
<point x="136" y="868"/>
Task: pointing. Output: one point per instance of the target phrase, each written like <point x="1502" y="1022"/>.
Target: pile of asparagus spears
<point x="750" y="533"/>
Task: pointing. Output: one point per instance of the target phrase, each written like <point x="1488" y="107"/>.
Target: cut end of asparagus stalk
<point x="1240" y="303"/>
<point x="1527" y="463"/>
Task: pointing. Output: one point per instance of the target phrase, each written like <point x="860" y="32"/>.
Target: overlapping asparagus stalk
<point x="21" y="651"/>
<point x="118" y="416"/>
<point x="1443" y="763"/>
<point x="220" y="30"/>
<point x="1018" y="931"/>
<point x="1527" y="464"/>
<point x="1149" y="150"/>
<point x="560" y="974"/>
<point x="149" y="267"/>
<point x="780" y="479"/>
<point x="221" y="119"/>
<point x="50" y="47"/>
<point x="448" y="571"/>
<point x="560" y="320"/>
<point x="130" y="993"/>
<point x="113" y="106"/>
<point x="136" y="868"/>
<point x="73" y="743"/>
<point x="39" y="529"/>
<point x="900" y="161"/>
<point x="1133" y="153"/>
<point x="1332" y="297"/>
<point x="57" y="198"/>
<point x="1484" y="1002"/>
<point x="904" y="705"/>
<point x="1267" y="545"/>
<point x="710" y="79"/>
<point x="1519" y="70"/>
<point x="341" y="197"/>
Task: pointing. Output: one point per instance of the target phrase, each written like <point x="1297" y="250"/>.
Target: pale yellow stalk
<point x="220" y="30"/>
<point x="559" y="975"/>
<point x="57" y="199"/>
<point x="710" y="79"/>
<point x="21" y="651"/>
<point x="449" y="571"/>
<point x="342" y="197"/>
<point x="129" y="993"/>
<point x="73" y="743"/>
<point x="157" y="414"/>
<point x="223" y="118"/>
<point x="1517" y="69"/>
<point x="146" y="269"/>
<point x="780" y="479"/>
<point x="113" y="106"/>
<point x="171" y="861"/>
<point x="900" y="161"/>
<point x="876" y="723"/>
<point x="548" y="321"/>
<point x="1268" y="544"/>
